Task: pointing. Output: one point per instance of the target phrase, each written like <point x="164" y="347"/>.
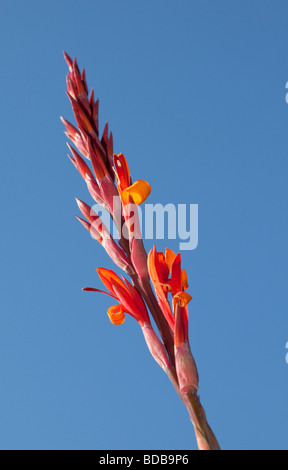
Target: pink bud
<point x="68" y="60"/>
<point x="94" y="190"/>
<point x="155" y="347"/>
<point x="108" y="193"/>
<point x="116" y="253"/>
<point x="186" y="368"/>
<point x="139" y="258"/>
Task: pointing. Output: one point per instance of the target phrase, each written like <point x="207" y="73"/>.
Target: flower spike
<point x="108" y="179"/>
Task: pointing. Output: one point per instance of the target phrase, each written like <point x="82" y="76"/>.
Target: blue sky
<point x="195" y="96"/>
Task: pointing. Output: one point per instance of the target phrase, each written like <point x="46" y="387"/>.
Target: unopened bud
<point x="186" y="368"/>
<point x="155" y="346"/>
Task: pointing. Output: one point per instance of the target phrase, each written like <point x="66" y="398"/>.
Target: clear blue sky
<point x="195" y="95"/>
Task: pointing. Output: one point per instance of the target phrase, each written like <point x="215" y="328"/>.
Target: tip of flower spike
<point x="75" y="65"/>
<point x="68" y="60"/>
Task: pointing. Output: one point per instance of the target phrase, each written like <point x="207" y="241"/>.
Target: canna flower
<point x="127" y="295"/>
<point x="136" y="192"/>
<point x="159" y="274"/>
<point x="168" y="277"/>
<point x="130" y="301"/>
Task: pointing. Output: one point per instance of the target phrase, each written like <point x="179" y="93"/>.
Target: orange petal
<point x="161" y="267"/>
<point x="184" y="280"/>
<point x="138" y="191"/>
<point x="181" y="324"/>
<point x="116" y="314"/>
<point x="175" y="281"/>
<point x="170" y="257"/>
<point x="182" y="298"/>
<point x="106" y="276"/>
<point x="122" y="171"/>
<point x="160" y="294"/>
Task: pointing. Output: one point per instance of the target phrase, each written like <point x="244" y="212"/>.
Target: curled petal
<point x="116" y="314"/>
<point x="138" y="191"/>
<point x="182" y="298"/>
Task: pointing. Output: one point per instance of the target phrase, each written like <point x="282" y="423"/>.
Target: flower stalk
<point x="158" y="286"/>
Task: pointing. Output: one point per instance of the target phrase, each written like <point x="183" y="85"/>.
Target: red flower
<point x="130" y="301"/>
